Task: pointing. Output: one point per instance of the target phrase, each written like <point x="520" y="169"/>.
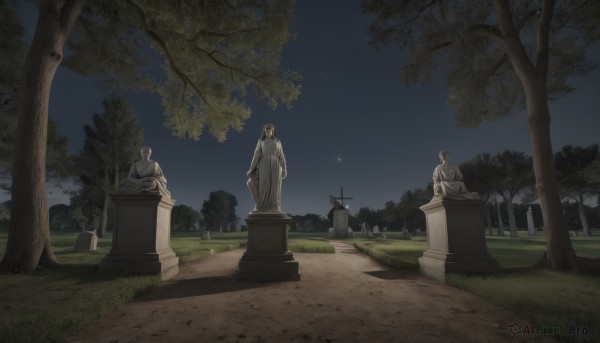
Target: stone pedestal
<point x="267" y="257"/>
<point x="456" y="239"/>
<point x="340" y="223"/>
<point x="141" y="239"/>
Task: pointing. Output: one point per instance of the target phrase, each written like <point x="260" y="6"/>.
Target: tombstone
<point x="376" y="229"/>
<point x="141" y="237"/>
<point x="206" y="235"/>
<point x="86" y="241"/>
<point x="405" y="234"/>
<point x="456" y="239"/>
<point x="530" y="224"/>
<point x="350" y="233"/>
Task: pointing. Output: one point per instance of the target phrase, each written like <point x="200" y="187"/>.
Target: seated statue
<point x="145" y="175"/>
<point x="448" y="181"/>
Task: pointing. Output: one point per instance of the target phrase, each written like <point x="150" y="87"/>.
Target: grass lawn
<point x="312" y="242"/>
<point x="45" y="305"/>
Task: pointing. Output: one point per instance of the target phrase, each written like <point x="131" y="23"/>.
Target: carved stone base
<point x="267" y="257"/>
<point x="141" y="239"/>
<point x="456" y="238"/>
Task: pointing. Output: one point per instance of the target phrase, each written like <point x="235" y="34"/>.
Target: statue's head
<point x="146" y="152"/>
<point x="443" y="156"/>
<point x="268" y="131"/>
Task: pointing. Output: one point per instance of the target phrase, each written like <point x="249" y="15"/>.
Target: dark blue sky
<point x="354" y="124"/>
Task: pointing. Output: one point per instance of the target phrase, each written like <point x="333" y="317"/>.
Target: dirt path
<point x="342" y="297"/>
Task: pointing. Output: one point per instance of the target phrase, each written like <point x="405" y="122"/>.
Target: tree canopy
<point x="184" y="217"/>
<point x="111" y="145"/>
<point x="212" y="53"/>
<point x="482" y="84"/>
<point x="219" y="209"/>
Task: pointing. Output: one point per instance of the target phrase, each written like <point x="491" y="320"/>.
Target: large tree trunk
<point x="512" y="224"/>
<point x="559" y="254"/>
<point x="500" y="224"/>
<point x="533" y="77"/>
<point x="584" y="222"/>
<point x="488" y="218"/>
<point x="28" y="243"/>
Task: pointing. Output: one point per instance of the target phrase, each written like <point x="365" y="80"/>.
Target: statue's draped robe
<point x="448" y="183"/>
<point x="267" y="167"/>
<point x="146" y="177"/>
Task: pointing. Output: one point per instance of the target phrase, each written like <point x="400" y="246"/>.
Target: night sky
<point x="355" y="125"/>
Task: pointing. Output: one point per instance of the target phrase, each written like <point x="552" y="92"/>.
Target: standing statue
<point x="448" y="181"/>
<point x="267" y="169"/>
<point x="145" y="175"/>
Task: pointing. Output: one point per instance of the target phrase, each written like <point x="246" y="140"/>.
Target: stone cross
<point x="341" y="198"/>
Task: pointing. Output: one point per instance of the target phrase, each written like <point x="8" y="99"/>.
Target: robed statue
<point x="448" y="181"/>
<point x="145" y="176"/>
<point x="267" y="170"/>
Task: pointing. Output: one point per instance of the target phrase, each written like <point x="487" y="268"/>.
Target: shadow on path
<point x="198" y="287"/>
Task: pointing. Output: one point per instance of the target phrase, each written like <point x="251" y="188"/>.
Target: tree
<point x="212" y="53"/>
<point x="12" y="54"/>
<point x="481" y="175"/>
<point x="219" y="209"/>
<point x="371" y="217"/>
<point x="184" y="217"/>
<point x="501" y="56"/>
<point x="515" y="172"/>
<point x="110" y="146"/>
<point x="390" y="213"/>
<point x="60" y="217"/>
<point x="571" y="162"/>
<point x="409" y="205"/>
<point x="363" y="215"/>
<point x="313" y="222"/>
<point x="499" y="214"/>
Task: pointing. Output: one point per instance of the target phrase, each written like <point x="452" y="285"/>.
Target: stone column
<point x="267" y="257"/>
<point x="456" y="239"/>
<point x="141" y="238"/>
